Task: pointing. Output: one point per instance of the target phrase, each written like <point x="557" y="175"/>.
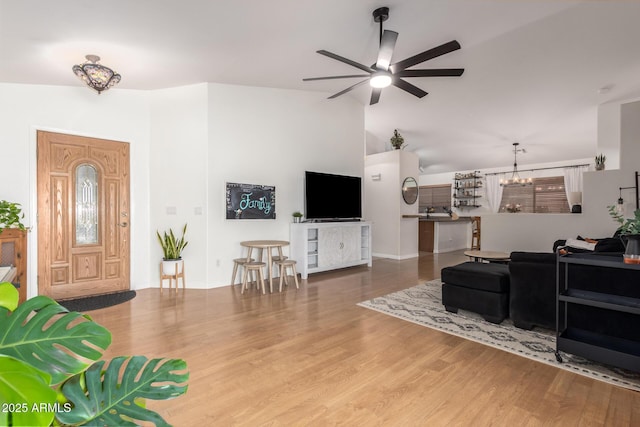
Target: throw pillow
<point x="581" y="244"/>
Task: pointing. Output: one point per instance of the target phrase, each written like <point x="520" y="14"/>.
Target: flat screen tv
<point x="332" y="197"/>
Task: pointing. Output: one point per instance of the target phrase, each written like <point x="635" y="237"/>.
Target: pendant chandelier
<point x="96" y="76"/>
<point x="515" y="179"/>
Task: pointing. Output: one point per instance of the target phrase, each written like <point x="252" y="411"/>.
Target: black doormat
<point x="98" y="301"/>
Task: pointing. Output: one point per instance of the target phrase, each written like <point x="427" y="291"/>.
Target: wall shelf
<point x="466" y="190"/>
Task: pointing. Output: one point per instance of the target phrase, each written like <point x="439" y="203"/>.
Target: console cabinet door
<point x="329" y="246"/>
<point x="351" y="244"/>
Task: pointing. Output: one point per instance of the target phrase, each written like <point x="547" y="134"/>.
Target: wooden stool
<point x="276" y="259"/>
<point x="238" y="262"/>
<point x="282" y="267"/>
<point x="179" y="273"/>
<point x="255" y="267"/>
<point x="475" y="233"/>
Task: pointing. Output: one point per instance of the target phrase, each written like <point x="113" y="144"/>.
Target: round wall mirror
<point x="410" y="190"/>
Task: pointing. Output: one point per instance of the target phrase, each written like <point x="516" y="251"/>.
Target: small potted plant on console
<point x="629" y="231"/>
<point x="396" y="140"/>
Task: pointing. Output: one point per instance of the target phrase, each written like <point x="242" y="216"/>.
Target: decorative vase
<point x="169" y="266"/>
<point x="632" y="249"/>
<point x="599" y="166"/>
<point x="297" y="219"/>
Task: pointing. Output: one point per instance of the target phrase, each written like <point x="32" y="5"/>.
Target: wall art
<point x="250" y="201"/>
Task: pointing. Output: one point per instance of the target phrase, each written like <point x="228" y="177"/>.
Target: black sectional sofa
<point x="532" y="293"/>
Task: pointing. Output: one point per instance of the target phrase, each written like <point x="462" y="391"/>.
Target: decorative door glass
<point x="86" y="205"/>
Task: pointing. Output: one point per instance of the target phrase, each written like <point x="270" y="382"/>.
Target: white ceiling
<point x="533" y="68"/>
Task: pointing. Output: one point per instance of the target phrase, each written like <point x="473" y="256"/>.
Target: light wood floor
<point x="312" y="357"/>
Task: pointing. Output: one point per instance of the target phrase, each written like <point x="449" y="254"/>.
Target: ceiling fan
<point x="383" y="73"/>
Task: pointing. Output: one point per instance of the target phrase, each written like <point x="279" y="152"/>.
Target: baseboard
<point x="396" y="257"/>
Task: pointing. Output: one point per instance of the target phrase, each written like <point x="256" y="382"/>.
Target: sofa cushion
<point x="489" y="277"/>
<point x="610" y="244"/>
<point x="545" y="257"/>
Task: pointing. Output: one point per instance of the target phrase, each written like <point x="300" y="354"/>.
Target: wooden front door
<point x="83" y="216"/>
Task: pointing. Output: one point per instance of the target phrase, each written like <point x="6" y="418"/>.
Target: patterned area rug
<point x="422" y="304"/>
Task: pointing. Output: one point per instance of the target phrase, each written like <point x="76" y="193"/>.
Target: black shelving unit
<point x="466" y="190"/>
<point x="591" y="345"/>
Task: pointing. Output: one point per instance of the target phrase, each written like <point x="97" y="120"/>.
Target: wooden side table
<point x="13" y="251"/>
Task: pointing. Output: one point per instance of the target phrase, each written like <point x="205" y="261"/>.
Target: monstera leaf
<point x="112" y="397"/>
<point x="22" y="387"/>
<point x="47" y="336"/>
<point x="8" y="296"/>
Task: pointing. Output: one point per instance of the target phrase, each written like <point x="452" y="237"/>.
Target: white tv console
<point x="330" y="245"/>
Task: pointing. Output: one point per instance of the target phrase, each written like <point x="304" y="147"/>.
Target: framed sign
<point x="249" y="201"/>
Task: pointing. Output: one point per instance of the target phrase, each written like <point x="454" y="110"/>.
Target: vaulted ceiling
<point x="535" y="71"/>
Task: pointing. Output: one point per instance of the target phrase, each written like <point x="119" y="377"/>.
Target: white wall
<point x="451" y="236"/>
<point x="609" y="122"/>
<point x="393" y="236"/>
<point x="270" y="137"/>
<point x="178" y="173"/>
<point x="409" y="167"/>
<point x="630" y="138"/>
<point x="382" y="204"/>
<point x="117" y="115"/>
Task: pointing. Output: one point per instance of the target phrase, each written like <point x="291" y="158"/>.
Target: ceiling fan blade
<point x="408" y="87"/>
<point x="345" y="60"/>
<point x="350" y="88"/>
<point x="387" y="44"/>
<point x="440" y="72"/>
<point x="375" y="95"/>
<point x="309" y="79"/>
<point x="425" y="56"/>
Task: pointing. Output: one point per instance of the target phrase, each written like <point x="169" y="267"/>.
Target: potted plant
<point x="397" y="140"/>
<point x="172" y="250"/>
<point x="600" y="159"/>
<point x="629" y="231"/>
<point x="10" y="215"/>
<point x="297" y="216"/>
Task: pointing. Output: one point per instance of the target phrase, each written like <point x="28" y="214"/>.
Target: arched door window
<point x="86" y="205"/>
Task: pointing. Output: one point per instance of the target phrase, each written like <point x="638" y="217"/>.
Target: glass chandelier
<point x="96" y="76"/>
<point x="515" y="179"/>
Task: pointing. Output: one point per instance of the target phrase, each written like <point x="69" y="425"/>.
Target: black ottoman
<point x="479" y="287"/>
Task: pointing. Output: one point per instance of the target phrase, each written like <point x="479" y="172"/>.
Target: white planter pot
<point x="169" y="266"/>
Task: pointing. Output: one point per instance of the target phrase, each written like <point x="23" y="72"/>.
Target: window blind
<point x="434" y="196"/>
<point x="546" y="195"/>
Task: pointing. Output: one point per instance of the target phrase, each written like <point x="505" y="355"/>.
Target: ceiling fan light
<point x="380" y="79"/>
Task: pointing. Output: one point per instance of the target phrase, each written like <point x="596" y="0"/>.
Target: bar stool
<point x="256" y="267"/>
<point x="475" y="232"/>
<point x="282" y="268"/>
<point x="238" y="262"/>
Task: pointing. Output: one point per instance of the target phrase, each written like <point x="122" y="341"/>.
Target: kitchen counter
<point x="442" y="233"/>
<point x="435" y="218"/>
<point x="446" y="219"/>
